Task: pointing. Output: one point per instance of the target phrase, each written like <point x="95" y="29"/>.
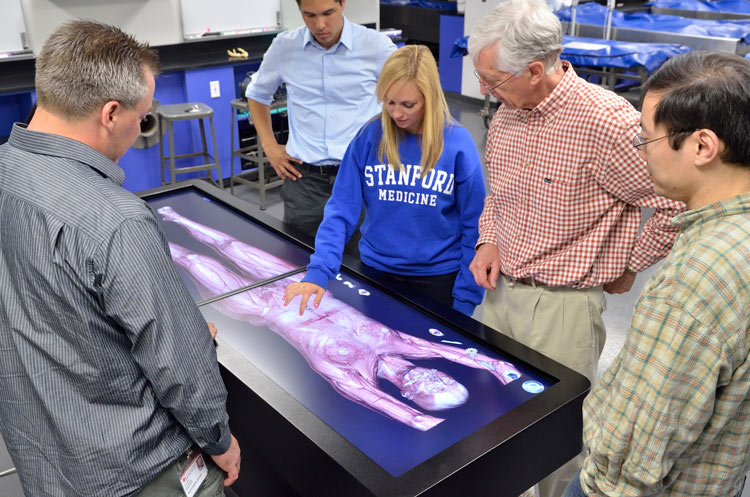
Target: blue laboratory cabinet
<point x="187" y="70"/>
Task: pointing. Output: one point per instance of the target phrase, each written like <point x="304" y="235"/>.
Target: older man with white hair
<point x="560" y="226"/>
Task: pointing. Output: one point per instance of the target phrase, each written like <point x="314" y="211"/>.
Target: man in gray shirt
<point x="109" y="383"/>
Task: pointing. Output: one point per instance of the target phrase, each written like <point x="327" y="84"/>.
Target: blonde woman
<point x="418" y="174"/>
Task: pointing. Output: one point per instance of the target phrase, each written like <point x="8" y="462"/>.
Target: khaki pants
<point x="562" y="323"/>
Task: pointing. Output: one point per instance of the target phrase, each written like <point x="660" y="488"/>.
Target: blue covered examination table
<point x="594" y="52"/>
<point x="736" y="6"/>
<point x="595" y="14"/>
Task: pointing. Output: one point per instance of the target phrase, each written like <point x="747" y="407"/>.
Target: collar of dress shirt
<point x="345" y="40"/>
<point x="59" y="146"/>
<point x="557" y="99"/>
<point x="739" y="204"/>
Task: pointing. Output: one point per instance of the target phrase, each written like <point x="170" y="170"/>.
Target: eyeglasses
<point x="640" y="145"/>
<point x="486" y="86"/>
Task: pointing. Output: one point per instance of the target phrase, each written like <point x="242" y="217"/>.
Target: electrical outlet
<point x="215" y="92"/>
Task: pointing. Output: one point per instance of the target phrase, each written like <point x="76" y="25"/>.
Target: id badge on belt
<point x="194" y="473"/>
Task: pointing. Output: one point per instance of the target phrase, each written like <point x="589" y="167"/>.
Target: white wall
<point x="475" y="10"/>
<point x="154" y="21"/>
<point x="357" y="11"/>
<point x="227" y="15"/>
<point x="11" y="27"/>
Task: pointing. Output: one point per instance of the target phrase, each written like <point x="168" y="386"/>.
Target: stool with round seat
<point x="167" y="115"/>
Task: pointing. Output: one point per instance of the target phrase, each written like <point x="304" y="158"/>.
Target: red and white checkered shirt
<point x="568" y="187"/>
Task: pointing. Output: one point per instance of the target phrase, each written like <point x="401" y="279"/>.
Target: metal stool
<point x="256" y="177"/>
<point x="167" y="114"/>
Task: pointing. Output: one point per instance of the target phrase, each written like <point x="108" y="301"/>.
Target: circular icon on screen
<point x="511" y="375"/>
<point x="435" y="332"/>
<point x="532" y="386"/>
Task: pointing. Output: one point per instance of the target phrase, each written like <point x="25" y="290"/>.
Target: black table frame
<point x="301" y="455"/>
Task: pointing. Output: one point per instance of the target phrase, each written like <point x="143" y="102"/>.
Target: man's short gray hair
<point x="85" y="64"/>
<point x="524" y="31"/>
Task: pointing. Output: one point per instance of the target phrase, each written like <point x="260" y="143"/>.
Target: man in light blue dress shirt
<point x="330" y="67"/>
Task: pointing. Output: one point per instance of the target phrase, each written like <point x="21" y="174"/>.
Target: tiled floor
<point x="619" y="307"/>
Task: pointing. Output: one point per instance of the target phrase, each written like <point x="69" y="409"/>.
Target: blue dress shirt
<point x="330" y="93"/>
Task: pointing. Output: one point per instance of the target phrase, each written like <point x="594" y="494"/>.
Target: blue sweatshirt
<point x="412" y="226"/>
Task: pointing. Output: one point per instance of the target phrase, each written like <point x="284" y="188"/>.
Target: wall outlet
<point x="215" y="92"/>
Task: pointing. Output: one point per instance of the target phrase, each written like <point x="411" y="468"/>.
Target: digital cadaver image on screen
<point x="398" y="385"/>
<point x="207" y="227"/>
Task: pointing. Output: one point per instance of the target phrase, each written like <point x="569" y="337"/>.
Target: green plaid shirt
<point x="671" y="416"/>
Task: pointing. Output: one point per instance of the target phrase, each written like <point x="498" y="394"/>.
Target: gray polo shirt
<point x="107" y="369"/>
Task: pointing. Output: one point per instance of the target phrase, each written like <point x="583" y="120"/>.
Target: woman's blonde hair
<point x="413" y="63"/>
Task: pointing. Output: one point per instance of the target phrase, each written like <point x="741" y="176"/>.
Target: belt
<point x="527" y="280"/>
<point x="324" y="170"/>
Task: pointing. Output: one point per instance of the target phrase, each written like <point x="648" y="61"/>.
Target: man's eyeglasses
<point x="489" y="88"/>
<point x="640" y="145"/>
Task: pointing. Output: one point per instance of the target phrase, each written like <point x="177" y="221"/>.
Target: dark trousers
<point x="167" y="483"/>
<point x="304" y="201"/>
<point x="438" y="287"/>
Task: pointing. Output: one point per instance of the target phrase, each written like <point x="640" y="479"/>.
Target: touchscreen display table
<point x="366" y="394"/>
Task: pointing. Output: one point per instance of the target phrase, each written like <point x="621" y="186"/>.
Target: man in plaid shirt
<point x="671" y="415"/>
<point x="561" y="224"/>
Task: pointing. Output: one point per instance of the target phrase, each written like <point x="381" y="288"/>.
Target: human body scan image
<point x="397" y="384"/>
<point x="226" y="227"/>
